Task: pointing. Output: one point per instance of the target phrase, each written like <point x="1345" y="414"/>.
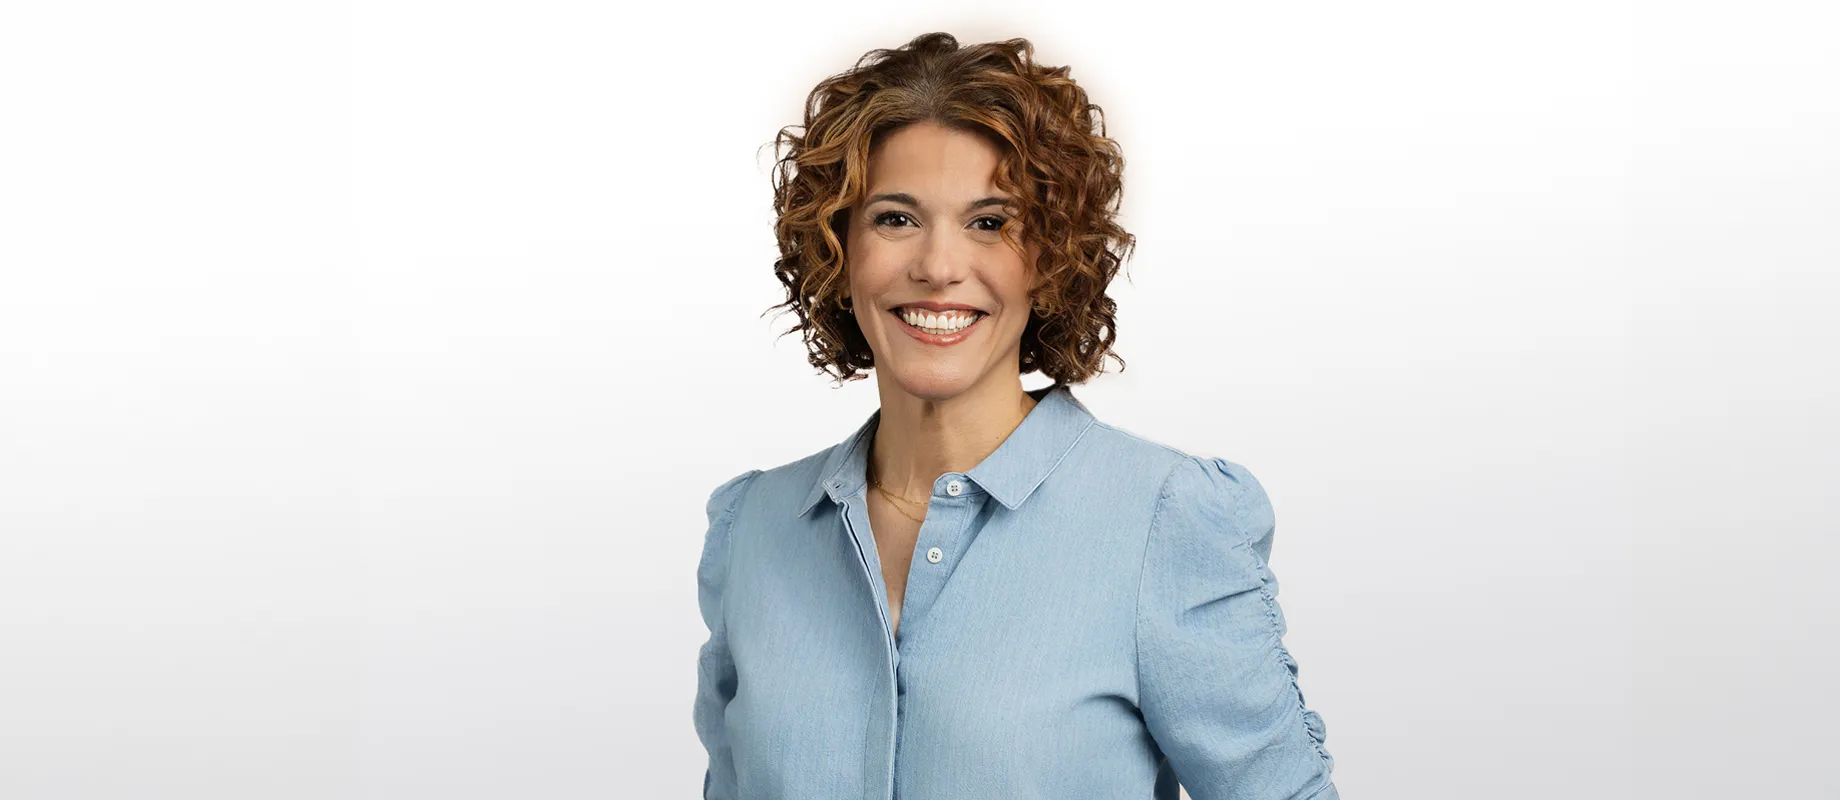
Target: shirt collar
<point x="1010" y="473"/>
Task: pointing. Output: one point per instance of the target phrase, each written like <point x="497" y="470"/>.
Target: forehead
<point x="928" y="159"/>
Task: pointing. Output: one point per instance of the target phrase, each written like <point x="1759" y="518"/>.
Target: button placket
<point x="954" y="488"/>
<point x="940" y="535"/>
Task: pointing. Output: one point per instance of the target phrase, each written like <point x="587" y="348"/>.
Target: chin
<point x="933" y="384"/>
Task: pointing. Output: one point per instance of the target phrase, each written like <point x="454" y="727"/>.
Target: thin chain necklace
<point x="877" y="482"/>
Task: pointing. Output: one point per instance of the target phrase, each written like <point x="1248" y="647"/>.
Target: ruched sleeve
<point x="715" y="670"/>
<point x="1217" y="688"/>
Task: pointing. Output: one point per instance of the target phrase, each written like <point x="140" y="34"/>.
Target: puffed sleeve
<point x="1216" y="686"/>
<point x="715" y="671"/>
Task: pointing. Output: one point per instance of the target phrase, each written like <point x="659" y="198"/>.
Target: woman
<point x="983" y="592"/>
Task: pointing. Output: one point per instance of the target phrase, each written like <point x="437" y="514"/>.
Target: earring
<point x="846" y="303"/>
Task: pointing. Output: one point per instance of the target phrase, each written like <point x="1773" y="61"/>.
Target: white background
<point x="363" y="372"/>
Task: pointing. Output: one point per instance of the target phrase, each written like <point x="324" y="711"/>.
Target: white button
<point x="933" y="555"/>
<point x="954" y="487"/>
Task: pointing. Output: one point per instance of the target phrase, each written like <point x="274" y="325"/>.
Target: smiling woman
<point x="979" y="142"/>
<point x="983" y="592"/>
<point x="936" y="290"/>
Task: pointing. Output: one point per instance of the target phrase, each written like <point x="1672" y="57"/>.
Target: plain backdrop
<point x="364" y="369"/>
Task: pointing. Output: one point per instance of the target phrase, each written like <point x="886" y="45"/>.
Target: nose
<point x="942" y="262"/>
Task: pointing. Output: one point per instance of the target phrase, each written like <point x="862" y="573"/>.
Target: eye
<point x="998" y="220"/>
<point x="886" y="218"/>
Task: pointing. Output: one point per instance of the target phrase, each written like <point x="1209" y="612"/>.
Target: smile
<point x="950" y="334"/>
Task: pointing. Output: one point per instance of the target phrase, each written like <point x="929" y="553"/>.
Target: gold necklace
<point x="877" y="483"/>
<point x="898" y="509"/>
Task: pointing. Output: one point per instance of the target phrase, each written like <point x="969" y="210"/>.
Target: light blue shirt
<point x="1088" y="614"/>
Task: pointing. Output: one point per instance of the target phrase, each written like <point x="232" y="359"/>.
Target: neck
<point x="917" y="439"/>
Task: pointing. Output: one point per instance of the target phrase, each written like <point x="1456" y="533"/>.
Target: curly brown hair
<point x="1065" y="174"/>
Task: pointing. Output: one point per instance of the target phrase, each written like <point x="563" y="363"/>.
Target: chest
<point x="1012" y="627"/>
<point x="897" y="535"/>
<point x="856" y="586"/>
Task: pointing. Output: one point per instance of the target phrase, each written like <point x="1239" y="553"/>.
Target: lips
<point x="957" y="313"/>
<point x="938" y="309"/>
<point x="940" y="339"/>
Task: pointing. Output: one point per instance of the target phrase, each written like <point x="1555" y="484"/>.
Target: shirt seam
<point x="728" y="544"/>
<point x="1137" y="650"/>
<point x="723" y="527"/>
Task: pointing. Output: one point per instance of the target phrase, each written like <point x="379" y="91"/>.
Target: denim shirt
<point x="1088" y="614"/>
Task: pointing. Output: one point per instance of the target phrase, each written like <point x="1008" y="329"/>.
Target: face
<point x="928" y="236"/>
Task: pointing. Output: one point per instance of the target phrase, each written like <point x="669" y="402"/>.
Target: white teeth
<point x="947" y="322"/>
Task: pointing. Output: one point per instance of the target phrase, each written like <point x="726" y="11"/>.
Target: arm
<point x="715" y="671"/>
<point x="1216" y="686"/>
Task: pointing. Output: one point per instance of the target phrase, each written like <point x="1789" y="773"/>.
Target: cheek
<point x="864" y="257"/>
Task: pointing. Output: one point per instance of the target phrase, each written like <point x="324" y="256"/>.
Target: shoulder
<point x="1125" y="457"/>
<point x="1211" y="481"/>
<point x="1184" y="477"/>
<point x="724" y="498"/>
<point x="781" y="484"/>
<point x="1193" y="493"/>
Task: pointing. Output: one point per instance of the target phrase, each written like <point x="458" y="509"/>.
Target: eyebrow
<point x="908" y="199"/>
